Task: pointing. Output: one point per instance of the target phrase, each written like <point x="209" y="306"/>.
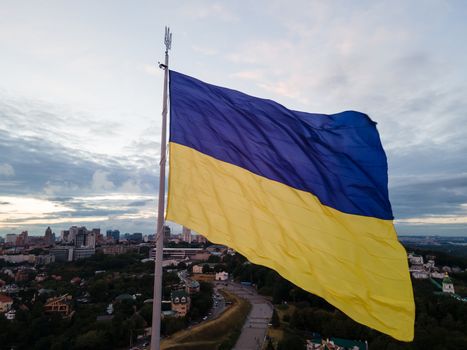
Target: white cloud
<point x="15" y="208"/>
<point x="285" y="89"/>
<point x="333" y="58"/>
<point x="100" y="182"/>
<point x="142" y="214"/>
<point x="29" y="118"/>
<point x="444" y="219"/>
<point x="208" y="51"/>
<point x="51" y="189"/>
<point x="210" y="11"/>
<point x="255" y="75"/>
<point x="152" y="69"/>
<point x="6" y="170"/>
<point x="114" y="197"/>
<point x="53" y="221"/>
<point x="130" y="186"/>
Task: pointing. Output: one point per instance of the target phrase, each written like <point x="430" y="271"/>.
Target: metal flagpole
<point x="157" y="296"/>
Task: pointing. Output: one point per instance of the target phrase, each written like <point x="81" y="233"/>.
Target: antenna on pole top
<point x="168" y="39"/>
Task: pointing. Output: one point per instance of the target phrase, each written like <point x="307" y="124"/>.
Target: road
<point x="256" y="325"/>
<point x="218" y="304"/>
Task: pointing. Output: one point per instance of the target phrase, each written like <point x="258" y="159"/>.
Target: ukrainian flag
<point x="304" y="194"/>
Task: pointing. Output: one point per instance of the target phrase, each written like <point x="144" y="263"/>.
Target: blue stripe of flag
<point x="339" y="157"/>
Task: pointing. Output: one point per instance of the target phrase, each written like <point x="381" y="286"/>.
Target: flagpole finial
<point x="168" y="39"/>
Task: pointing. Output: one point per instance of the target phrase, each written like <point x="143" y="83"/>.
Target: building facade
<point x="180" y="302"/>
<point x="10" y="238"/>
<point x="448" y="286"/>
<point x="5" y="303"/>
<point x="222" y="276"/>
<point x="167" y="234"/>
<point x="49" y="238"/>
<point x="22" y="239"/>
<point x="178" y="253"/>
<point x="113" y="234"/>
<point x="186" y="233"/>
<point x="60" y="305"/>
<point x="197" y="269"/>
<point x="83" y="252"/>
<point x="62" y="254"/>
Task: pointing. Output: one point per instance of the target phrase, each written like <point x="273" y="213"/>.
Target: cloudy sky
<point x="81" y="95"/>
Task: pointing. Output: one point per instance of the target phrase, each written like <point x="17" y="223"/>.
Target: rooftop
<point x="446" y="279"/>
<point x="179" y="293"/>
<point x="5" y="299"/>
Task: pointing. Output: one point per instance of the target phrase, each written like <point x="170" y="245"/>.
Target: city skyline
<point x="61" y="229"/>
<point x="80" y="106"/>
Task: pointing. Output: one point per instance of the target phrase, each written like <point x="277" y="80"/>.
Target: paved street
<point x="218" y="304"/>
<point x="255" y="327"/>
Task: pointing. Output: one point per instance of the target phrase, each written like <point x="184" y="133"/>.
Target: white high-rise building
<point x="73" y="232"/>
<point x="91" y="240"/>
<point x="186" y="234"/>
<point x="201" y="239"/>
<point x="11" y="238"/>
<point x="65" y="236"/>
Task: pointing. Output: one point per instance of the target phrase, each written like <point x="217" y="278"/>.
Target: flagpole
<point x="157" y="295"/>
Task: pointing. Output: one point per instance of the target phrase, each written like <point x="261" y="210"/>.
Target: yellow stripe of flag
<point x="354" y="262"/>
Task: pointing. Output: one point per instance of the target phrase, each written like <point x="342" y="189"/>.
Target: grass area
<point x="283" y="310"/>
<point x="277" y="334"/>
<point x="215" y="334"/>
<point x="201" y="345"/>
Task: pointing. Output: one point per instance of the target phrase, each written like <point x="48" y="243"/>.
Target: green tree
<point x="171" y="325"/>
<point x="214" y="259"/>
<point x="275" y="319"/>
<point x="92" y="340"/>
<point x="146" y="313"/>
<point x="99" y="291"/>
<point x="291" y="341"/>
<point x="281" y="290"/>
<point x="220" y="268"/>
<point x="269" y="345"/>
